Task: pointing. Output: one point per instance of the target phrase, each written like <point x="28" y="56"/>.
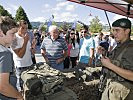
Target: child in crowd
<point x="8" y="28"/>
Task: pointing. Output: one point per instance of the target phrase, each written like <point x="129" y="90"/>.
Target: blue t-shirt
<point x="104" y="44"/>
<point x="85" y="45"/>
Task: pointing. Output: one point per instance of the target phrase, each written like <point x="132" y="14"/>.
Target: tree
<point x="65" y="26"/>
<point x="4" y="12"/>
<point x="21" y="15"/>
<point x="95" y="25"/>
<point x="78" y="27"/>
<point x="44" y="28"/>
<point x="54" y="23"/>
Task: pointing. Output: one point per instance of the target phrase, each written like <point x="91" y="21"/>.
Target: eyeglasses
<point x="83" y="31"/>
<point x="25" y="23"/>
<point x="72" y="33"/>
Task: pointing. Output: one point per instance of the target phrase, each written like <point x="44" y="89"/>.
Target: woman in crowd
<point x="74" y="51"/>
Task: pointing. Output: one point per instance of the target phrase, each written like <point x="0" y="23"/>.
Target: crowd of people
<point x="66" y="49"/>
<point x="82" y="47"/>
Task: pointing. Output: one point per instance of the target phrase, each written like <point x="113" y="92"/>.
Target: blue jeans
<point x="59" y="66"/>
<point x="19" y="83"/>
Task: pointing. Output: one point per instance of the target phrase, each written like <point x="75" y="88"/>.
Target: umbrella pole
<point x="107" y="19"/>
<point x="128" y="10"/>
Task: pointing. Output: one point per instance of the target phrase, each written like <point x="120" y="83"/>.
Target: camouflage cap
<point x="123" y="23"/>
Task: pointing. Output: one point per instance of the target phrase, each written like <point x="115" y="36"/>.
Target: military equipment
<point x="102" y="82"/>
<point x="41" y="78"/>
<point x="87" y="87"/>
<point x="86" y="73"/>
<point x="103" y="78"/>
<point x="44" y="82"/>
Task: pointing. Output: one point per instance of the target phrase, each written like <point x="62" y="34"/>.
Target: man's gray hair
<point x="52" y="27"/>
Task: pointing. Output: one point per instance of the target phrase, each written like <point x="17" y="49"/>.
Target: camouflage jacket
<point x="121" y="56"/>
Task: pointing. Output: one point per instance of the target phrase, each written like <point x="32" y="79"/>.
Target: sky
<point x="63" y="10"/>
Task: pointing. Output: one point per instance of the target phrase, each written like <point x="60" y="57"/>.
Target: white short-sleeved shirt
<point x="97" y="41"/>
<point x="26" y="60"/>
<point x="112" y="43"/>
<point x="74" y="52"/>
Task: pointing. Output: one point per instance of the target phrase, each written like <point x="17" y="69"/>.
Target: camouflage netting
<point x="45" y="83"/>
<point x="87" y="87"/>
<point x="85" y="91"/>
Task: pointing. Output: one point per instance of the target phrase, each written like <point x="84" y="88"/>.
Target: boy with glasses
<point x="86" y="49"/>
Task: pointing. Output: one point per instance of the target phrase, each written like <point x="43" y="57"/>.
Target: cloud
<point x="70" y="8"/>
<point x="87" y="20"/>
<point x="103" y="23"/>
<point x="62" y="4"/>
<point x="115" y="17"/>
<point x="59" y="0"/>
<point x="14" y="7"/>
<point x="46" y="6"/>
<point x="39" y="19"/>
<point x="65" y="16"/>
<point x="58" y="7"/>
<point x="9" y="10"/>
<point x="61" y="11"/>
<point x="118" y="17"/>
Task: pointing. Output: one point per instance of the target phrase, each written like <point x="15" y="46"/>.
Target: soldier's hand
<point x="105" y="61"/>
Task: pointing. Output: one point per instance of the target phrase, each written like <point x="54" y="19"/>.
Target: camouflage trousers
<point x="117" y="91"/>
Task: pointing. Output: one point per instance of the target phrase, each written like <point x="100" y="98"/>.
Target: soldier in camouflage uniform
<point x="119" y="73"/>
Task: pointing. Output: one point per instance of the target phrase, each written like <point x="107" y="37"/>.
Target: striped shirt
<point x="54" y="49"/>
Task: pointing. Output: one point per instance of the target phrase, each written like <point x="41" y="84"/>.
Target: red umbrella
<point x="122" y="7"/>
